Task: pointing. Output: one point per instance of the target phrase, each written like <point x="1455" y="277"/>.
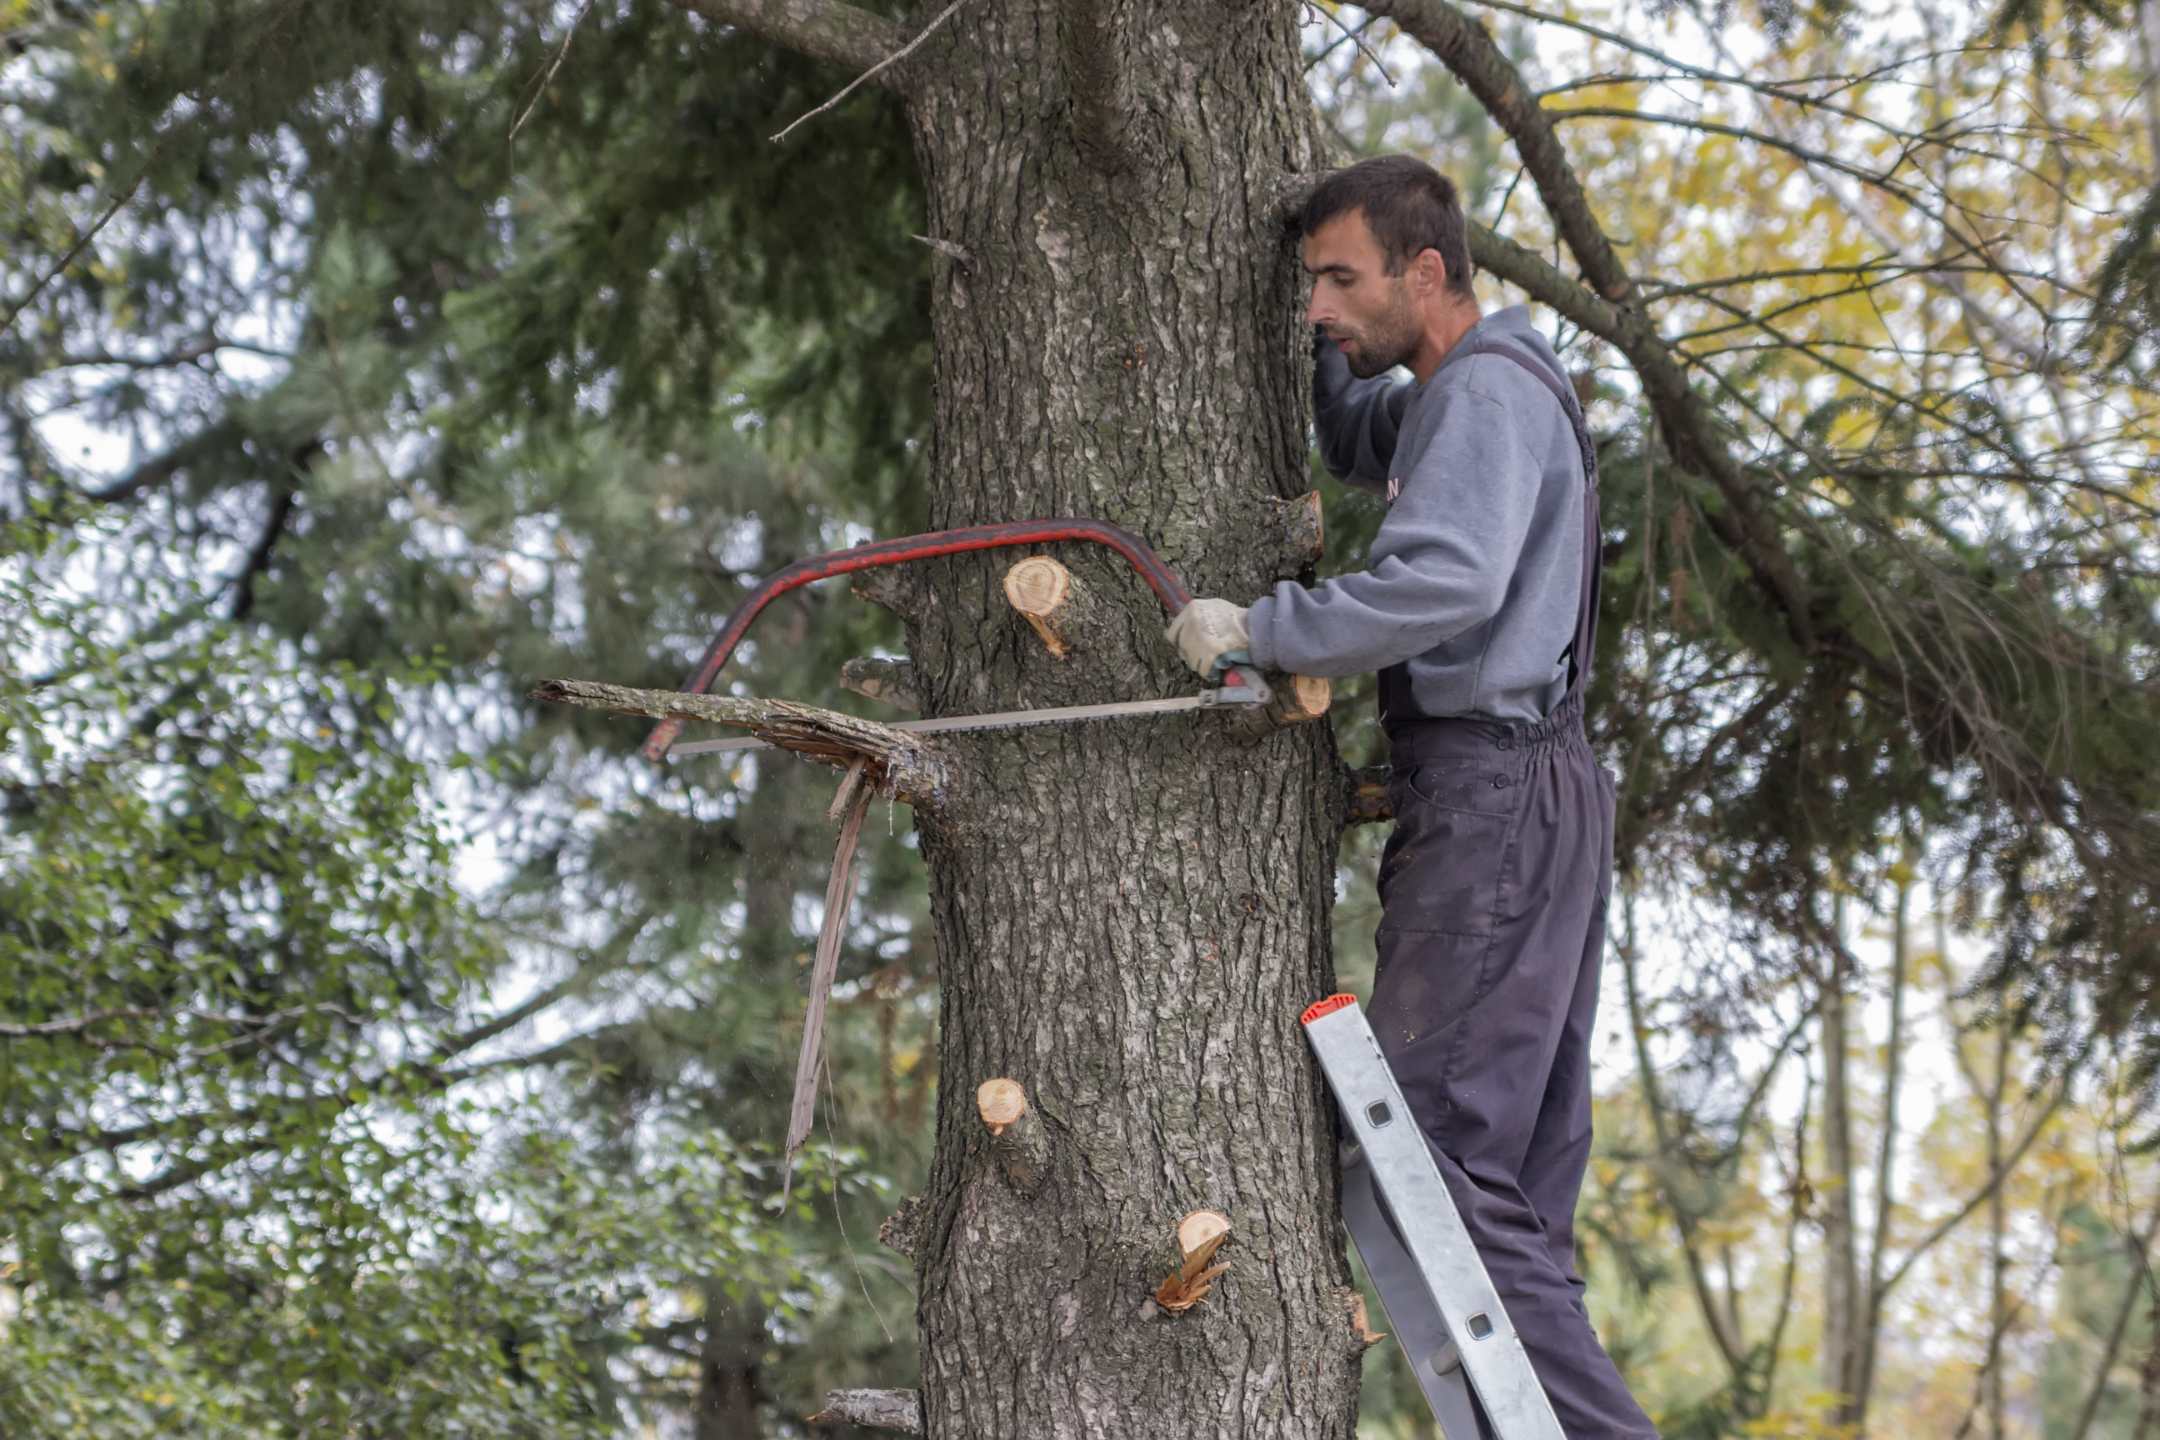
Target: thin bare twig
<point x="549" y="78"/>
<point x="142" y="173"/>
<point x="1357" y="38"/>
<point x="893" y="59"/>
<point x="82" y="242"/>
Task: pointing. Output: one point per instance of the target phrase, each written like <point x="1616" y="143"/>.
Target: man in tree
<point x="1478" y="609"/>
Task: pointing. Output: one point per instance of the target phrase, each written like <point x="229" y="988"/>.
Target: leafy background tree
<point x="384" y="1054"/>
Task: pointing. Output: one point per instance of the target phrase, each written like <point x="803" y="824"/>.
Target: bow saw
<point x="1241" y="687"/>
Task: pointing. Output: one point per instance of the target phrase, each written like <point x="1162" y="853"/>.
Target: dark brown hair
<point x="1409" y="207"/>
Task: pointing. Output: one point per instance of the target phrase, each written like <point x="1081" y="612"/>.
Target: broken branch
<point x="890" y="587"/>
<point x="1361" y="1323"/>
<point x="1365" y="796"/>
<point x="899" y="1410"/>
<point x="902" y="1230"/>
<point x="899" y="762"/>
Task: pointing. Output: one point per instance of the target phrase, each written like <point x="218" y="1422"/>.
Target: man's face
<point x="1367" y="312"/>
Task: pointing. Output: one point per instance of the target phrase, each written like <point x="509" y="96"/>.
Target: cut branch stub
<point x="902" y="1230"/>
<point x="1361" y="1323"/>
<point x="1001" y="1103"/>
<point x="1301" y="698"/>
<point x="889" y="682"/>
<point x="1365" y="799"/>
<point x="1199" y="1236"/>
<point x="1297" y="700"/>
<point x="1199" y="1233"/>
<point x="1304" y="536"/>
<point x="892" y="587"/>
<point x="1045" y="594"/>
<point x="1017" y="1138"/>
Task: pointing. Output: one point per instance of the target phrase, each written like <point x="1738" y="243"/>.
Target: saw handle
<point x="908" y="548"/>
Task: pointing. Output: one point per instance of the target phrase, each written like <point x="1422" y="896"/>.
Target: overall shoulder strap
<point x="1583" y="647"/>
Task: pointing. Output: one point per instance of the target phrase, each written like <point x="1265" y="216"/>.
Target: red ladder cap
<point x="1326" y="1007"/>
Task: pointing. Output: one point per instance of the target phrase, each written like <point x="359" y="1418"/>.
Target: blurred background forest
<point x="382" y="1054"/>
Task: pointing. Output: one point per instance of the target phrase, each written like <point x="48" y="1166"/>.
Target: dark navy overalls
<point x="1493" y="891"/>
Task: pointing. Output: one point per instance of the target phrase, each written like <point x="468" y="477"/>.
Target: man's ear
<point x="1431" y="271"/>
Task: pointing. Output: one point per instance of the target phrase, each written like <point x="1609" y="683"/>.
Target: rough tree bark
<point x="1131" y="914"/>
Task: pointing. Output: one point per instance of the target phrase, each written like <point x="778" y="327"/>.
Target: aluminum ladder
<point x="1440" y="1302"/>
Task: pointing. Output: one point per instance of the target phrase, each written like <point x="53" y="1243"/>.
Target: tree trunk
<point x="1998" y="1254"/>
<point x="731" y="1357"/>
<point x="1843" y="1337"/>
<point x="1129" y="914"/>
<point x="2149" y="52"/>
<point x="1871" y="1308"/>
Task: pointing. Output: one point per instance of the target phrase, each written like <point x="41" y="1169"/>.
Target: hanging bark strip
<point x="854" y="797"/>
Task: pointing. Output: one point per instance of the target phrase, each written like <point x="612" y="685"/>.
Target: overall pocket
<point x="1444" y="865"/>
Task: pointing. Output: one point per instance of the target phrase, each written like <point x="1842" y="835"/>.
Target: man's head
<point x="1389" y="253"/>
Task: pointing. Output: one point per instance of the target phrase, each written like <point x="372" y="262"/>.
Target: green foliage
<point x="2127" y="308"/>
<point x="393" y="1056"/>
<point x="259" y="1173"/>
<point x="450" y="1042"/>
<point x="2101" y="1330"/>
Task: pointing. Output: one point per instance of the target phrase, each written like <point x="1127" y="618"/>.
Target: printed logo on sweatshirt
<point x="1394" y="488"/>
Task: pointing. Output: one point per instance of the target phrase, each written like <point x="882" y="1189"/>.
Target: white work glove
<point x="1211" y="635"/>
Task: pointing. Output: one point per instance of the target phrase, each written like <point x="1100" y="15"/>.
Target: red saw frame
<point x="1159" y="577"/>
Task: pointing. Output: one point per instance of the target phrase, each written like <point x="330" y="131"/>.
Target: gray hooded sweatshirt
<point x="1473" y="578"/>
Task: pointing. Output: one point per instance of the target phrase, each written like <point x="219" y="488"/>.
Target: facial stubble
<point x="1392" y="339"/>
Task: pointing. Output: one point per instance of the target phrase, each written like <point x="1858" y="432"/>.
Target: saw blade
<point x="1000" y="720"/>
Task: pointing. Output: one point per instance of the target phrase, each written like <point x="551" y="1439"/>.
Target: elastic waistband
<point x="1461" y="737"/>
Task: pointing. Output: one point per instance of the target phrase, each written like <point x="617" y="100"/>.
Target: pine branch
<point x="71" y="1024"/>
<point x="1731" y="1347"/>
<point x="259" y="557"/>
<point x="161" y="468"/>
<point x="2138" y="1287"/>
<point x="1468" y="51"/>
